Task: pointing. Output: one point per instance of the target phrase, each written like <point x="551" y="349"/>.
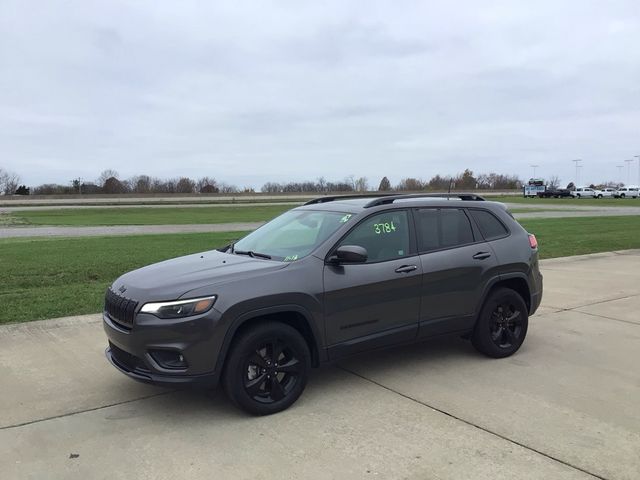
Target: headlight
<point x="179" y="308"/>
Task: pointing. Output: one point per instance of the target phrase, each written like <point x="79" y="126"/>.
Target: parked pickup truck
<point x="555" y="193"/>
<point x="582" y="192"/>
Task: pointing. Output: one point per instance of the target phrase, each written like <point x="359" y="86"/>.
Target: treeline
<point x="109" y="182"/>
<point x="463" y="181"/>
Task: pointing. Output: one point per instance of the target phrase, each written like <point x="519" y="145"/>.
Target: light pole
<point x="620" y="167"/>
<point x="534" y="169"/>
<point x="628" y="161"/>
<point x="638" y="157"/>
<point x="576" y="161"/>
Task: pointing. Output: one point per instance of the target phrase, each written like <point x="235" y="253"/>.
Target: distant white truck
<point x="626" y="192"/>
<point x="606" y="192"/>
<point x="584" y="192"/>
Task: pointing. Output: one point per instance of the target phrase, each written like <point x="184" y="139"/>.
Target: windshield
<point x="292" y="235"/>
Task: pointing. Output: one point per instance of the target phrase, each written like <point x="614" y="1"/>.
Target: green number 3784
<point x="382" y="228"/>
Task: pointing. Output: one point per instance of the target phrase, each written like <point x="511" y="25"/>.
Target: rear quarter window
<point x="490" y="227"/>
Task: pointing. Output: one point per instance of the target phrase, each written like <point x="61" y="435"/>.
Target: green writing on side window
<point x="384" y="228"/>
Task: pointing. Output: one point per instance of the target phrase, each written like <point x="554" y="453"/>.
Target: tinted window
<point x="385" y="236"/>
<point x="490" y="227"/>
<point x="442" y="228"/>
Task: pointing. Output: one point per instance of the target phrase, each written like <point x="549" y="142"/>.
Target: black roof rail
<point x="334" y="198"/>
<point x="391" y="198"/>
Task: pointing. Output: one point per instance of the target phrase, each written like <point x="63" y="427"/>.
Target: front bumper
<point x="132" y="350"/>
<point x="146" y="376"/>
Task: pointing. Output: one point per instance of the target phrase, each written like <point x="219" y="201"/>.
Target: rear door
<point x="456" y="264"/>
<point x="374" y="303"/>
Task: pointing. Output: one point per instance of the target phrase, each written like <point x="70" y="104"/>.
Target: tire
<point x="254" y="381"/>
<point x="599" y="196"/>
<point x="622" y="195"/>
<point x="578" y="195"/>
<point x="502" y="325"/>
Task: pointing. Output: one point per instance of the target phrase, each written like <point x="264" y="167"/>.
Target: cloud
<point x="257" y="91"/>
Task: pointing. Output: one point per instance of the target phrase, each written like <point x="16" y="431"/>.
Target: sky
<point x="250" y="92"/>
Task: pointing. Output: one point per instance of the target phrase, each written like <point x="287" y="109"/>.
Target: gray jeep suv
<point x="334" y="277"/>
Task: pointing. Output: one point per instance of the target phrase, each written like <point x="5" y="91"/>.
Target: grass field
<point x="46" y="278"/>
<point x="562" y="237"/>
<point x="144" y="215"/>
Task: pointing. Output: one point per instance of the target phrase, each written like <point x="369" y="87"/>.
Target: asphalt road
<point x="564" y="407"/>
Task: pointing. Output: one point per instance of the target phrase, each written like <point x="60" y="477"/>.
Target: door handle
<point x="406" y="268"/>
<point x="481" y="255"/>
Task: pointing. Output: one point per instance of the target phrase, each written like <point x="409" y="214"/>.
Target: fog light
<point x="169" y="359"/>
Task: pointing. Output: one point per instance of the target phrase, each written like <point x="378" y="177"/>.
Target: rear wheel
<point x="267" y="368"/>
<point x="502" y="325"/>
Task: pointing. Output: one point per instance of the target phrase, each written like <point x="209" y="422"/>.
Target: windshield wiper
<point x="252" y="254"/>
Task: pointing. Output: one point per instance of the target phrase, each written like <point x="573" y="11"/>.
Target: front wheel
<point x="267" y="368"/>
<point x="502" y="325"/>
<point x="622" y="195"/>
<point x="599" y="196"/>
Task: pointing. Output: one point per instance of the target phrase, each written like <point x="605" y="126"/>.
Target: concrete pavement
<point x="565" y="406"/>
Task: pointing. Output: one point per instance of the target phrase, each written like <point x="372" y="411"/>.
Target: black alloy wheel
<point x="502" y="325"/>
<point x="506" y="326"/>
<point x="267" y="368"/>
<point x="271" y="371"/>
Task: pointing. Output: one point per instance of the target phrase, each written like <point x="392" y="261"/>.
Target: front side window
<point x="385" y="236"/>
<point x="292" y="235"/>
<point x="442" y="228"/>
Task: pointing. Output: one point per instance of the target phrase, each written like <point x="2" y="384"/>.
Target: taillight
<point x="533" y="242"/>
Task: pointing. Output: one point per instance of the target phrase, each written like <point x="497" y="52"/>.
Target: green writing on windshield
<point x="290" y="258"/>
<point x="384" y="228"/>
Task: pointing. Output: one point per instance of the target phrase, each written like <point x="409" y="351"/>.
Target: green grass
<point x="47" y="278"/>
<point x="569" y="202"/>
<point x="562" y="237"/>
<point x="148" y="215"/>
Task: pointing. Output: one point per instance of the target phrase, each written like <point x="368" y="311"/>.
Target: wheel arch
<point x="295" y="316"/>
<point x="515" y="281"/>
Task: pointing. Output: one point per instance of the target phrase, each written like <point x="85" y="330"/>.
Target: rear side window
<point x="442" y="228"/>
<point x="490" y="227"/>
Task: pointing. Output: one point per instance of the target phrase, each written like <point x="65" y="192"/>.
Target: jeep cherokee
<point x="334" y="277"/>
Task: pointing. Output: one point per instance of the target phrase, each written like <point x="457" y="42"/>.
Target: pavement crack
<point x="70" y="414"/>
<point x="471" y="424"/>
<point x="610" y="318"/>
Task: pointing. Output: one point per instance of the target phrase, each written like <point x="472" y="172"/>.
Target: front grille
<point x="119" y="308"/>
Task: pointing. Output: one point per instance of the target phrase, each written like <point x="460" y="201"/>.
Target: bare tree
<point x="554" y="181"/>
<point x="105" y="175"/>
<point x="207" y="185"/>
<point x="361" y="184"/>
<point x="185" y="185"/>
<point x="9" y="182"/>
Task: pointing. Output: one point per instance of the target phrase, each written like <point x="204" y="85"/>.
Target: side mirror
<point x="349" y="254"/>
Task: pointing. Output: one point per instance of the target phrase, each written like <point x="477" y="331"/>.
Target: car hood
<point x="173" y="278"/>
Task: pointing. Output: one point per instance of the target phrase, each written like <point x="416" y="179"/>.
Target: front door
<point x="374" y="303"/>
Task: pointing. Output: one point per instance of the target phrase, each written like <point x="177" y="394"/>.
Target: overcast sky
<point x="260" y="91"/>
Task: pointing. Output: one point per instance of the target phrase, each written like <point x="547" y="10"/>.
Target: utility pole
<point x="629" y="170"/>
<point x="577" y="161"/>
<point x="534" y="169"/>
